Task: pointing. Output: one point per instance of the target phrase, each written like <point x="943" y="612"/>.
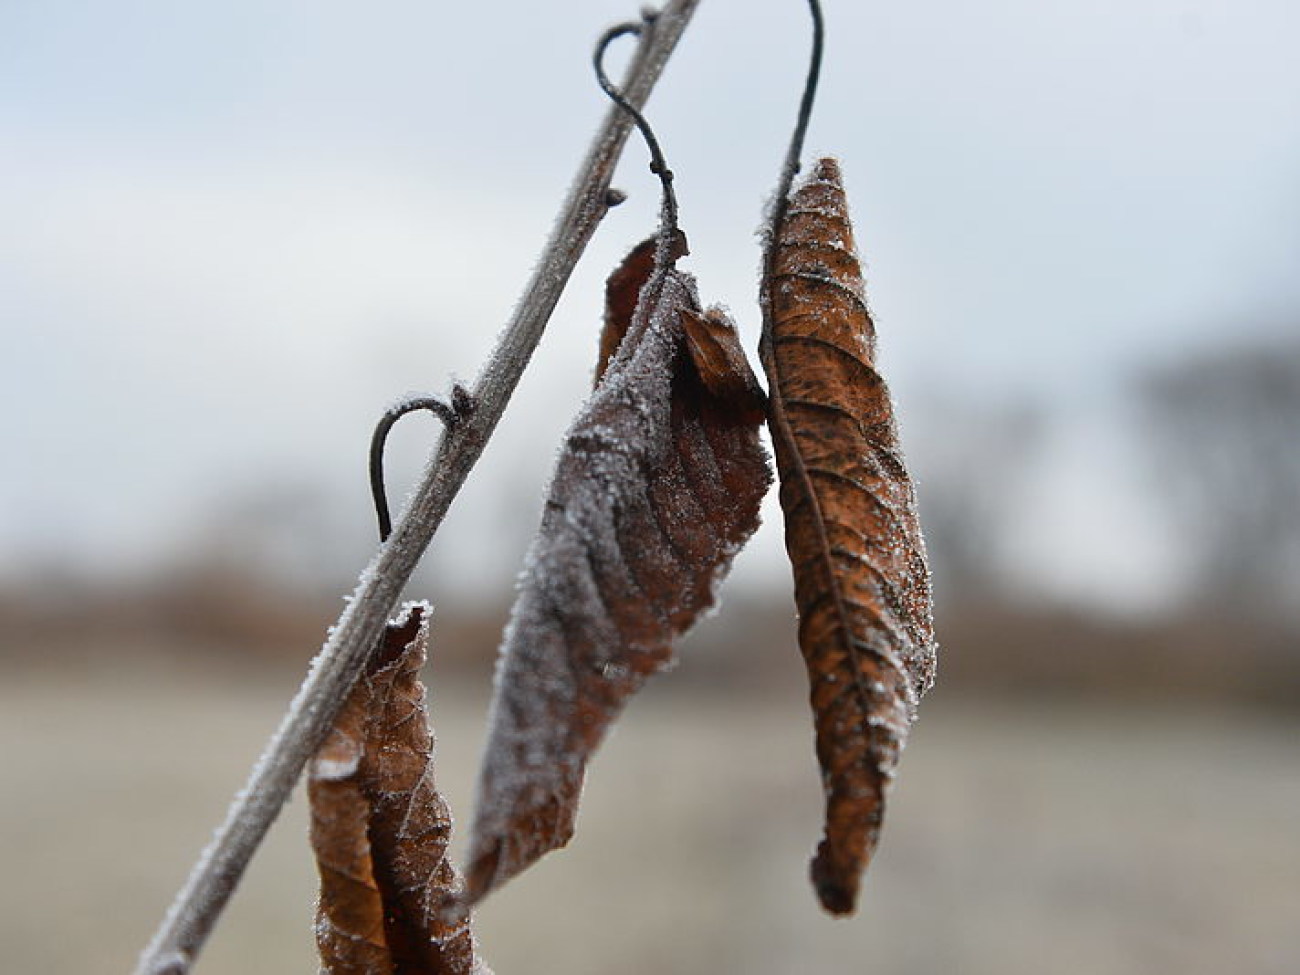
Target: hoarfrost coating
<point x="656" y="488"/>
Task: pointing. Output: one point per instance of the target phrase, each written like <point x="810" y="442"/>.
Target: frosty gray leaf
<point x="657" y="487"/>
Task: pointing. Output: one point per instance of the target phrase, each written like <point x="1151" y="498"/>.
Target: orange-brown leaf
<point x="657" y="487"/>
<point x="861" y="581"/>
<point x="390" y="900"/>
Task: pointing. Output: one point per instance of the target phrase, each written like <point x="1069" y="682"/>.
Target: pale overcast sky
<point x="231" y="233"/>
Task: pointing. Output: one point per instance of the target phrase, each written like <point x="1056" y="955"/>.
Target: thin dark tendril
<point x="791" y="165"/>
<point x="658" y="164"/>
<point x="448" y="414"/>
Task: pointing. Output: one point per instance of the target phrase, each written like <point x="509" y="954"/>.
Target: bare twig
<point x="197" y="906"/>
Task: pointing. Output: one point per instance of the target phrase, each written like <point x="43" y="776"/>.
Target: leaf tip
<point x="501" y="850"/>
<point x="481" y="876"/>
<point x="826" y="169"/>
<point x="837" y="892"/>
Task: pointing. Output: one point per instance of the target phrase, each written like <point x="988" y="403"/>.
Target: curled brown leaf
<point x="390" y="901"/>
<point x="657" y="487"/>
<point x="861" y="580"/>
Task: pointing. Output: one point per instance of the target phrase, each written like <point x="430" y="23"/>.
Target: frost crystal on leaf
<point x="390" y="899"/>
<point x="861" y="579"/>
<point x="656" y="488"/>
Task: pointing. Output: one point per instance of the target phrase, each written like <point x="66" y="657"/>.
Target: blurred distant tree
<point x="285" y="532"/>
<point x="1224" y="434"/>
<point x="970" y="485"/>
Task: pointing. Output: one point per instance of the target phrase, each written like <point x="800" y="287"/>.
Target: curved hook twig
<point x="658" y="164"/>
<point x="448" y="413"/>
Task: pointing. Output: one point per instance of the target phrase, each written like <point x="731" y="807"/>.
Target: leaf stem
<point x="658" y="164"/>
<point x="790" y="167"/>
<point x="199" y="903"/>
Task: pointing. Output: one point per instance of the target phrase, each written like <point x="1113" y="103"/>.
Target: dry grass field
<point x="1103" y="840"/>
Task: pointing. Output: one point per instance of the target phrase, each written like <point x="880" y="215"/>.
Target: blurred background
<point x="231" y="234"/>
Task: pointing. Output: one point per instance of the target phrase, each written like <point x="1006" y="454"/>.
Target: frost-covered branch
<point x="199" y="903"/>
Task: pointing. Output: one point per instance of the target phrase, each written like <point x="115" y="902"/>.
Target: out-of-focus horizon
<point x="234" y="233"/>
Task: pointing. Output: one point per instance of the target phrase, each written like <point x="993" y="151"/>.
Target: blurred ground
<point x="1078" y="835"/>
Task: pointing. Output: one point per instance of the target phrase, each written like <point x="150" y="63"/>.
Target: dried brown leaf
<point x="861" y="580"/>
<point x="721" y="365"/>
<point x="657" y="487"/>
<point x="390" y="902"/>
